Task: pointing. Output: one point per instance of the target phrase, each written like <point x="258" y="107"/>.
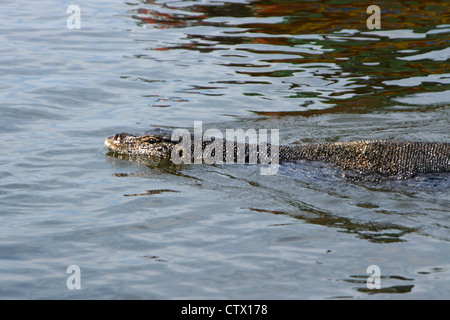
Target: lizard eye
<point x="117" y="137"/>
<point x="151" y="140"/>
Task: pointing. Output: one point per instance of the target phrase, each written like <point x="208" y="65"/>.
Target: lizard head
<point x="156" y="143"/>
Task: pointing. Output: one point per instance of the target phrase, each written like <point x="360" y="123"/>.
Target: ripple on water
<point x="158" y="231"/>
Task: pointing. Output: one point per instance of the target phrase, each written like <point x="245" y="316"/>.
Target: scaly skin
<point x="392" y="159"/>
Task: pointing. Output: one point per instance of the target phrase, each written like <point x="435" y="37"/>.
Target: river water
<point x="153" y="230"/>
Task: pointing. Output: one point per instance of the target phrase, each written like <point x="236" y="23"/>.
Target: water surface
<point x="152" y="230"/>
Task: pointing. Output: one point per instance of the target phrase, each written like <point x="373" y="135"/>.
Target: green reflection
<point x="271" y="34"/>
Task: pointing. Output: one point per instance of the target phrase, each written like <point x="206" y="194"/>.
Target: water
<point x="157" y="231"/>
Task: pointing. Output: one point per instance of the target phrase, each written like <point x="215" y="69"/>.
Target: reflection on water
<point x="317" y="55"/>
